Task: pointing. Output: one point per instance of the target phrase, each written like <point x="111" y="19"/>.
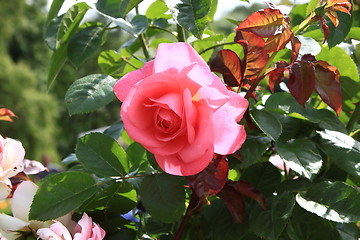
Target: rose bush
<point x="180" y="111"/>
<point x="85" y="229"/>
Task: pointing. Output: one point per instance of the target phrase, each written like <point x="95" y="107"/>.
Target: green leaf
<point x="253" y="148"/>
<point x="57" y="61"/>
<point x="116" y="8"/>
<point x="270" y="223"/>
<point x="139" y="24"/>
<point x="118" y="198"/>
<point x="51" y="30"/>
<point x="111" y="62"/>
<point x="267" y="122"/>
<point x="192" y="15"/>
<point x="264" y="176"/>
<point x="343" y="150"/>
<point x="60" y="194"/>
<point x="156" y="10"/>
<point x="137" y="158"/>
<point x="84" y="44"/>
<point x="349" y="75"/>
<point x="354" y="33"/>
<point x="301" y="155"/>
<point x="335" y="201"/>
<point x="54" y="10"/>
<point x="102" y="155"/>
<point x="311" y="6"/>
<point x="90" y="93"/>
<point x="115" y="130"/>
<point x="338" y="34"/>
<point x="163" y="196"/>
<point x="70" y="22"/>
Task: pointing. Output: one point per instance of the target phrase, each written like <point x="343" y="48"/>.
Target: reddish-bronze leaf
<point x="264" y="23"/>
<point x="228" y="64"/>
<point x="295" y="46"/>
<point x="308" y="58"/>
<point x="324" y="28"/>
<point x="278" y="41"/>
<point x="301" y="81"/>
<point x="6" y="114"/>
<point x="327" y="85"/>
<point x="212" y="179"/>
<point x="234" y="201"/>
<point x="276" y="76"/>
<point x="248" y="190"/>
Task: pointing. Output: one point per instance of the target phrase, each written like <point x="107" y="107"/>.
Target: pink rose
<point x="85" y="229"/>
<point x="11" y="162"/>
<point x="180" y="111"/>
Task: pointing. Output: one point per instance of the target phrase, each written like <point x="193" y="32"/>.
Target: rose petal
<point x="229" y="135"/>
<point x="4" y="190"/>
<point x="13" y="153"/>
<point x="123" y="86"/>
<point x="22" y="199"/>
<point x="8" y="226"/>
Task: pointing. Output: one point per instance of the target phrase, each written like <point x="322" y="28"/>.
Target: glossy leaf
<point x="61" y="193"/>
<point x="212" y="179"/>
<point x="228" y="64"/>
<point x="163" y="197"/>
<point x="334" y="201"/>
<point x="84" y="44"/>
<point x="102" y="155"/>
<point x="301" y="155"/>
<point x="343" y="150"/>
<point x="192" y="15"/>
<point x="270" y="223"/>
<point x="115" y="130"/>
<point x="116" y="8"/>
<point x="117" y="198"/>
<point x="264" y="23"/>
<point x="266" y="121"/>
<point x="90" y="93"/>
<point x="301" y="81"/>
<point x="70" y="22"/>
<point x="349" y="75"/>
<point x="327" y="85"/>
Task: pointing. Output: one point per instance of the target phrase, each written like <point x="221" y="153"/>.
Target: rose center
<point x="167" y="120"/>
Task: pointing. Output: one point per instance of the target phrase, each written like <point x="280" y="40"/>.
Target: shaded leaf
<point x="327" y="85"/>
<point x="61" y="193"/>
<point x="343" y="150"/>
<point x="102" y="155"/>
<point x="163" y="196"/>
<point x="235" y="203"/>
<point x="276" y="76"/>
<point x="301" y="81"/>
<point x="116" y="8"/>
<point x="212" y="179"/>
<point x="89" y="93"/>
<point x="267" y="122"/>
<point x="228" y="64"/>
<point x="301" y="155"/>
<point x="84" y="44"/>
<point x="51" y="30"/>
<point x="253" y="148"/>
<point x="338" y="34"/>
<point x="270" y="223"/>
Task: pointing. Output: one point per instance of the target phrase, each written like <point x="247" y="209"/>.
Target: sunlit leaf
<point x="111" y="62"/>
<point x="228" y="64"/>
<point x="301" y="81"/>
<point x="57" y="61"/>
<point x="327" y="85"/>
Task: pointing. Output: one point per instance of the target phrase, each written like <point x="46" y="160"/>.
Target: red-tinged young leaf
<point x="308" y="58"/>
<point x="264" y="23"/>
<point x="228" y="64"/>
<point x="248" y="190"/>
<point x="277" y="42"/>
<point x="325" y="28"/>
<point x="295" y="45"/>
<point x="301" y="81"/>
<point x="338" y="5"/>
<point x="276" y="76"/>
<point x="255" y="58"/>
<point x="212" y="179"/>
<point x="6" y="114"/>
<point x="327" y="85"/>
<point x="334" y="18"/>
<point x="235" y="203"/>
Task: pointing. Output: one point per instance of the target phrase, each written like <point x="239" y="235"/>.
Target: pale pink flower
<point x="180" y="111"/>
<point x="11" y="162"/>
<point x="85" y="229"/>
